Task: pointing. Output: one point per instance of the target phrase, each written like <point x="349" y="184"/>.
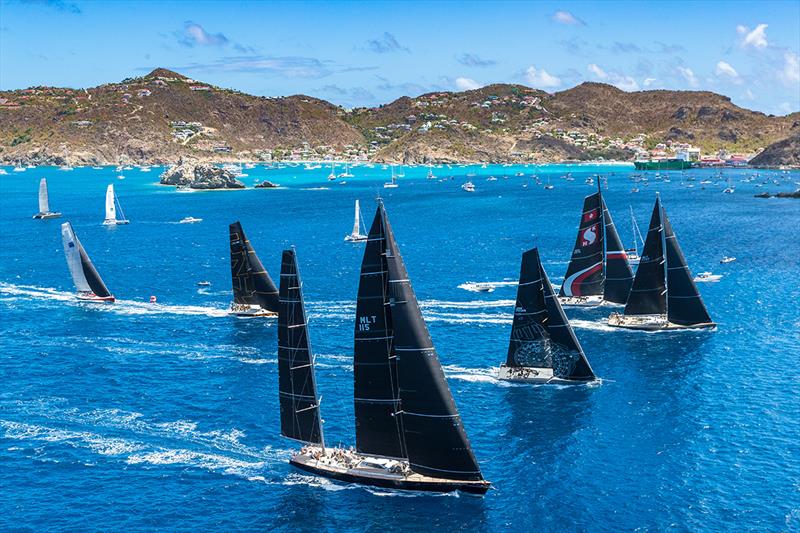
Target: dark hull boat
<point x="44" y="203"/>
<point x="543" y="348"/>
<point x="254" y="292"/>
<point x="409" y="434"/>
<point x="664" y="295"/>
<point x="87" y="280"/>
<point x="598" y="270"/>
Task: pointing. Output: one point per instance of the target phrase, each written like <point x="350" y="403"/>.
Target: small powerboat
<point x="468" y="187"/>
<point x="725" y="259"/>
<point x="707" y="277"/>
<point x="189" y="220"/>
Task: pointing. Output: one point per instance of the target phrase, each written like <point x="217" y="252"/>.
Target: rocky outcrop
<point x="196" y="175"/>
<point x="781" y="153"/>
<point x="795" y="195"/>
<point x="267" y="185"/>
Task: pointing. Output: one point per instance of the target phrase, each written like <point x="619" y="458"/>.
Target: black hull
<point x="386" y="481"/>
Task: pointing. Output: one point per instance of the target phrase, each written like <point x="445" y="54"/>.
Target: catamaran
<point x="44" y="203"/>
<point x="598" y="270"/>
<point x="87" y="281"/>
<point x="409" y="434"/>
<point x="543" y="348"/>
<point x="356" y="235"/>
<point x="112" y="205"/>
<point x="663" y="295"/>
<point x="254" y="293"/>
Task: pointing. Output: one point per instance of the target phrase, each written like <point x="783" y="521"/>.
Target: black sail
<point x="300" y="417"/>
<point x="585" y="274"/>
<point x="90" y="273"/>
<point x="648" y="293"/>
<point x="435" y="439"/>
<point x="529" y="336"/>
<point x="684" y="304"/>
<point x="251" y="282"/>
<point x="619" y="276"/>
<point x="376" y="391"/>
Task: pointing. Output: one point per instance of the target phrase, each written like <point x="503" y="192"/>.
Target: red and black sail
<point x="585" y="273"/>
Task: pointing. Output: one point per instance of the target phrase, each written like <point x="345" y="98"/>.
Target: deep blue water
<point x="145" y="416"/>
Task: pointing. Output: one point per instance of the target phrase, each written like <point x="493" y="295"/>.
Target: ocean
<point x="142" y="416"/>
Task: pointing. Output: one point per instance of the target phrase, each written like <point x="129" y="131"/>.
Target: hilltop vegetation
<point x="161" y="116"/>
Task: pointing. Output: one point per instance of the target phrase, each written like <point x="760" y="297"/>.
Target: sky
<point x="370" y="53"/>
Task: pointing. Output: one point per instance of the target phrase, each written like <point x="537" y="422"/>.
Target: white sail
<point x="111" y="209"/>
<point x="44" y="204"/>
<point x="72" y="252"/>
<point x="356" y="222"/>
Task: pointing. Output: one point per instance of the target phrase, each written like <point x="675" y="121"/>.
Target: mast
<point x="251" y="282"/>
<point x="379" y="429"/>
<point x="435" y="438"/>
<point x="111" y="209"/>
<point x="664" y="251"/>
<point x="584" y="276"/>
<point x="618" y="273"/>
<point x="44" y="204"/>
<point x="299" y="404"/>
<point x="84" y="274"/>
<point x="648" y="292"/>
<point x="684" y="304"/>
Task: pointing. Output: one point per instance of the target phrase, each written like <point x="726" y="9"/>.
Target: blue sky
<point x="368" y="53"/>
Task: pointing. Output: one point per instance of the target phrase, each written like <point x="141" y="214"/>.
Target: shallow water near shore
<point x="139" y="415"/>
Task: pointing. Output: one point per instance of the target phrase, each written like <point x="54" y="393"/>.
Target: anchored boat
<point x="543" y="348"/>
<point x="44" y="203"/>
<point x="598" y="270"/>
<point x="356" y="235"/>
<point x="409" y="434"/>
<point x="87" y="281"/>
<point x="112" y="205"/>
<point x="664" y="294"/>
<point x="254" y="293"/>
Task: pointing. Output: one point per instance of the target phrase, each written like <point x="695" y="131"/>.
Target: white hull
<point x="91" y="297"/>
<point x="43" y="216"/>
<point x="580" y="301"/>
<point x="115" y="222"/>
<point x="248" y="311"/>
<point x="528" y="374"/>
<point x="356" y="238"/>
<point x="650" y="322"/>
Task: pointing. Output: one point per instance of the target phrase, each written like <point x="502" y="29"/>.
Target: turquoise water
<point x="140" y="416"/>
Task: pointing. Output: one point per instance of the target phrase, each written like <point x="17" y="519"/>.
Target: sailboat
<point x="391" y="184"/>
<point x="346" y="173"/>
<point x="430" y="175"/>
<point x="332" y="175"/>
<point x="254" y="292"/>
<point x="598" y="270"/>
<point x="112" y="205"/>
<point x="663" y="295"/>
<point x="87" y="281"/>
<point x="409" y="434"/>
<point x="44" y="203"/>
<point x="633" y="253"/>
<point x="356" y="235"/>
<point x="543" y="348"/>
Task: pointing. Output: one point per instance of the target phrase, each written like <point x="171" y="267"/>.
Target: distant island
<point x="164" y="116"/>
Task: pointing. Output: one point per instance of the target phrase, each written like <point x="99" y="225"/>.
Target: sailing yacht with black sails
<point x="409" y="434"/>
<point x="664" y="295"/>
<point x="87" y="280"/>
<point x="254" y="292"/>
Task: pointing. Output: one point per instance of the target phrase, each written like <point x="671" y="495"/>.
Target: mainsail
<point x="541" y="336"/>
<point x="585" y="274"/>
<point x="356" y="222"/>
<point x="84" y="275"/>
<point x="111" y="208"/>
<point x="44" y="204"/>
<point x="684" y="304"/>
<point x="648" y="293"/>
<point x="435" y="440"/>
<point x="619" y="276"/>
<point x="377" y="402"/>
<point x="251" y="282"/>
<point x="300" y="417"/>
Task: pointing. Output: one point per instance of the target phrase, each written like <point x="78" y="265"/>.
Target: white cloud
<point x="467" y="84"/>
<point x="725" y="69"/>
<point x="194" y="33"/>
<point x="791" y="68"/>
<point x="597" y="71"/>
<point x="749" y="95"/>
<point x="565" y="17"/>
<point x="648" y="82"/>
<point x="541" y="78"/>
<point x="757" y="38"/>
<point x="689" y="76"/>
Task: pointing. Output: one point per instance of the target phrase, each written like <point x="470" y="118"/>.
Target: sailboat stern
<point x="92" y="297"/>
<point x="652" y="323"/>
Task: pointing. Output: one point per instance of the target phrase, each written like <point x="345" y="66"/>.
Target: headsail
<point x="300" y="417"/>
<point x="111" y="208"/>
<point x="44" y="203"/>
<point x="585" y="274"/>
<point x="84" y="274"/>
<point x="648" y="293"/>
<point x="541" y="336"/>
<point x="251" y="283"/>
<point x="378" y="425"/>
<point x="619" y="276"/>
<point x="684" y="304"/>
<point x="436" y="442"/>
